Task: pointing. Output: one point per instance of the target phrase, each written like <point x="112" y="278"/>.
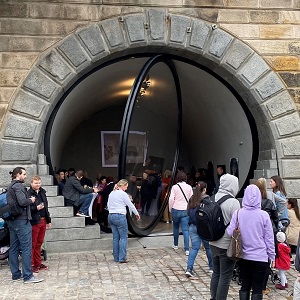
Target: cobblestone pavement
<point x="152" y="273"/>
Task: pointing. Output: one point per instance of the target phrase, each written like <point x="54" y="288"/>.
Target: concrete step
<point x="46" y="180"/>
<point x="64" y="223"/>
<point x="267" y="164"/>
<point x="266" y="173"/>
<point x="61" y="212"/>
<point x="43" y="170"/>
<point x="267" y="154"/>
<point x="55" y="201"/>
<point x="69" y="234"/>
<point x="78" y="245"/>
<point x="52" y="190"/>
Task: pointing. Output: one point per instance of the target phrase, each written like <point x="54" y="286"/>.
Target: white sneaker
<point x="187" y="252"/>
<point x="210" y="271"/>
<point x="79" y="214"/>
<point x="175" y="247"/>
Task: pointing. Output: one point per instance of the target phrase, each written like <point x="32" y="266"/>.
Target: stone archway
<point x="154" y="30"/>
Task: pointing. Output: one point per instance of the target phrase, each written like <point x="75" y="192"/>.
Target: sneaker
<point x="79" y="214"/>
<point x="35" y="269"/>
<point x="279" y="286"/>
<point x="189" y="273"/>
<point x="33" y="280"/>
<point x="211" y="271"/>
<point x="18" y="279"/>
<point x="175" y="247"/>
<point x="266" y="291"/>
<point x="43" y="267"/>
<point x="292" y="263"/>
<point x="187" y="252"/>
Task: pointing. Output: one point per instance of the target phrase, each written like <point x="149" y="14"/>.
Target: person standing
<point x="178" y="200"/>
<point x="20" y="229"/>
<point x="293" y="230"/>
<point x="40" y="222"/>
<point x="257" y="243"/>
<point x="118" y="200"/>
<point x="223" y="265"/>
<point x="195" y="201"/>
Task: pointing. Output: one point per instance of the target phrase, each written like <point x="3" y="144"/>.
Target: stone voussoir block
<point x="268" y="86"/>
<point x="34" y="107"/>
<point x="280" y="104"/>
<point x="289" y="147"/>
<point x="40" y="84"/>
<point x="236" y="56"/>
<point x="21" y="152"/>
<point x="199" y="35"/>
<point x="179" y="26"/>
<point x="56" y="67"/>
<point x="253" y="70"/>
<point x="74" y="52"/>
<point x="91" y="37"/>
<point x="157" y="26"/>
<point x="113" y="33"/>
<point x="289" y="124"/>
<point x="217" y="45"/>
<point x="135" y="28"/>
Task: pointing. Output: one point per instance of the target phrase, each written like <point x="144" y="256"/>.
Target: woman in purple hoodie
<point x="258" y="243"/>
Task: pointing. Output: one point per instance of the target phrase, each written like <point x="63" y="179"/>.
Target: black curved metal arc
<point x="128" y="113"/>
<point x="126" y="125"/>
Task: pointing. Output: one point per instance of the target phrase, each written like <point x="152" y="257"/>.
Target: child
<point x="282" y="261"/>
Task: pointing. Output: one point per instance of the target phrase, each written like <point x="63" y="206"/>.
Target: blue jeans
<point x="20" y="240"/>
<point x="85" y="200"/>
<point x="196" y="244"/>
<point x="222" y="275"/>
<point x="180" y="216"/>
<point x="119" y="227"/>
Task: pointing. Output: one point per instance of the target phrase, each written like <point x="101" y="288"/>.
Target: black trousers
<point x="253" y="275"/>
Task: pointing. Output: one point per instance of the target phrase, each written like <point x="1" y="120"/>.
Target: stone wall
<point x="271" y="27"/>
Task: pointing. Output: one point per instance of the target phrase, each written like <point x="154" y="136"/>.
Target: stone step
<point x="61" y="212"/>
<point x="55" y="201"/>
<point x="267" y="154"/>
<point x="78" y="245"/>
<point x="63" y="223"/>
<point x="42" y="159"/>
<point x="52" y="190"/>
<point x="69" y="234"/>
<point x="46" y="180"/>
<point x="266" y="173"/>
<point x="43" y="170"/>
<point x="267" y="164"/>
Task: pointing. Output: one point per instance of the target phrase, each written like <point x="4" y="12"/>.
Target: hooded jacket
<point x="256" y="227"/>
<point x="229" y="185"/>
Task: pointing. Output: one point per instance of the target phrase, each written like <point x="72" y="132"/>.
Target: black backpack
<point x="209" y="219"/>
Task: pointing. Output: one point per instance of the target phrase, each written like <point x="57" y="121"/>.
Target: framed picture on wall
<point x="136" y="148"/>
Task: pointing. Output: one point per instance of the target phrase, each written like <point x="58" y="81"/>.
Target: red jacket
<point x="283" y="260"/>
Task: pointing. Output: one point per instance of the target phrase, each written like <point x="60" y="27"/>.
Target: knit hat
<point x="280" y="237"/>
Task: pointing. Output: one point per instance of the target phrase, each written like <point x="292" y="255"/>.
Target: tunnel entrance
<point x="144" y="115"/>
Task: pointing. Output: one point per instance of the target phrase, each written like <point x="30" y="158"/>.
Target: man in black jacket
<point x="20" y="229"/>
<point x="76" y="195"/>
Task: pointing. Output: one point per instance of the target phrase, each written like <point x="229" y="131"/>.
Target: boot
<point x="256" y="296"/>
<point x="244" y="295"/>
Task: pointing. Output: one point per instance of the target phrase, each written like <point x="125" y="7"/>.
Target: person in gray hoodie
<point x="258" y="243"/>
<point x="222" y="265"/>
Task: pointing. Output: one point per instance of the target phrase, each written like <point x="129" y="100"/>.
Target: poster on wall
<point x="136" y="148"/>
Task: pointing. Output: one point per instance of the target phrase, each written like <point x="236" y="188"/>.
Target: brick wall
<point x="271" y="27"/>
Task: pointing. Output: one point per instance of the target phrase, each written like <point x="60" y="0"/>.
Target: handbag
<point x="235" y="249"/>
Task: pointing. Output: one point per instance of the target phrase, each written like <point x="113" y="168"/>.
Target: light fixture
<point x="144" y="86"/>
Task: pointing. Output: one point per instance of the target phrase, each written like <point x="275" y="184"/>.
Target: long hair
<point x="196" y="199"/>
<point x="279" y="185"/>
<point x="120" y="183"/>
<point x="261" y="183"/>
<point x="294" y="204"/>
<point x="16" y="171"/>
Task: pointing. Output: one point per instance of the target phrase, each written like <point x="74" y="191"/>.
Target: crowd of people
<point x="268" y="244"/>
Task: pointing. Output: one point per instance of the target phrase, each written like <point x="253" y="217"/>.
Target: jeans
<point x="222" y="275"/>
<point x="252" y="274"/>
<point x="196" y="244"/>
<point x="180" y="216"/>
<point x="119" y="227"/>
<point x="85" y="200"/>
<point x="20" y="240"/>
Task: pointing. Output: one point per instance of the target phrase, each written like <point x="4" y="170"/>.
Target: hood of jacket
<point x="229" y="184"/>
<point x="252" y="197"/>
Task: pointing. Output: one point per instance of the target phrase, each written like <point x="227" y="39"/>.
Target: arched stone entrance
<point x="153" y="31"/>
